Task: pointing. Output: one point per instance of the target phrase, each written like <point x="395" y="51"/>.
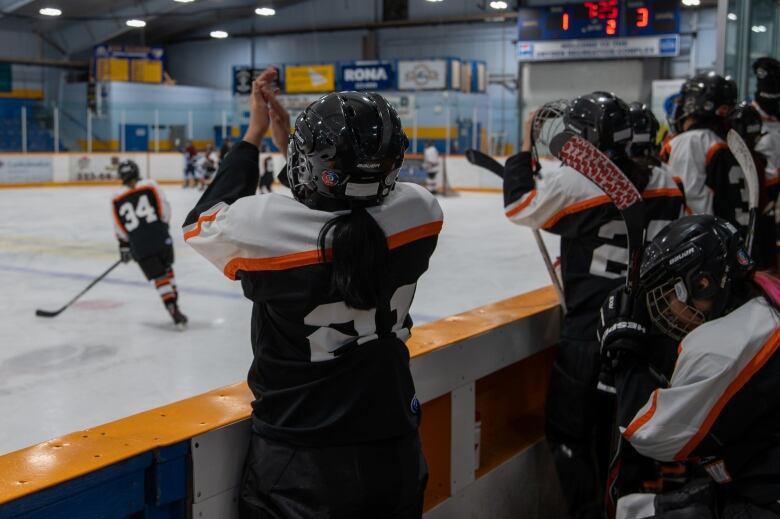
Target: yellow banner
<point x="304" y="79"/>
<point x="112" y="69"/>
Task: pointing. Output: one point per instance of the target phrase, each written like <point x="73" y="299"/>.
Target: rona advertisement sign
<point x="367" y="75"/>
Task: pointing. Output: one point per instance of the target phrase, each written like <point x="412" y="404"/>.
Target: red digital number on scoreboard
<point x="642" y="17"/>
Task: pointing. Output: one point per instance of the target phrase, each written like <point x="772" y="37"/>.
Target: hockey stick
<point x="46" y="313"/>
<point x="745" y="160"/>
<point x="487" y="162"/>
<point x="581" y="155"/>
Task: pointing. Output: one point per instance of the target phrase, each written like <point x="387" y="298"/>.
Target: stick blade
<point x="747" y="164"/>
<point x="485" y="161"/>
<point x="46" y="313"/>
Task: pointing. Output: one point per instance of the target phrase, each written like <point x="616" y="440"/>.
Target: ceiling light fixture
<point x="434" y="1"/>
<point x="218" y="34"/>
<point x="732" y="17"/>
<point x="50" y="11"/>
<point x="265" y="11"/>
<point x="498" y="4"/>
<point x="135" y="23"/>
<point x="184" y="1"/>
<point x="691" y="3"/>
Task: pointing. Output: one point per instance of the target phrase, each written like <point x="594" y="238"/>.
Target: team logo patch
<point x="742" y="258"/>
<point x="330" y="178"/>
<point x="415" y="405"/>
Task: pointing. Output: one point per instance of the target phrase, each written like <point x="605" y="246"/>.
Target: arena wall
<point x="482" y="378"/>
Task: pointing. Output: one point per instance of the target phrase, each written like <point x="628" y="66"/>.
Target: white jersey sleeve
<point x="714" y="362"/>
<point x="275" y="232"/>
<point x="688" y="157"/>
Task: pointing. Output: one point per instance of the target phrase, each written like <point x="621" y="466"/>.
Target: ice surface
<point x="116" y="352"/>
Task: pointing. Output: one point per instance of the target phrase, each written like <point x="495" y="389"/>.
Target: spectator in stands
<point x="267" y="175"/>
<point x="226" y="145"/>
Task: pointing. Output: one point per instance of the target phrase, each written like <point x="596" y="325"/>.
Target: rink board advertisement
<point x="641" y="47"/>
<point x="367" y="75"/>
<point x="243" y="76"/>
<point x="25" y="168"/>
<point x="306" y="79"/>
<point x="428" y="74"/>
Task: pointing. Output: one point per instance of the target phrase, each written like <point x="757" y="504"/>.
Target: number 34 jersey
<point x="323" y="373"/>
<point x="141" y="218"/>
<point x="594" y="246"/>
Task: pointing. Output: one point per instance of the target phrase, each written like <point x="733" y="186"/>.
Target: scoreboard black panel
<point x="599" y="19"/>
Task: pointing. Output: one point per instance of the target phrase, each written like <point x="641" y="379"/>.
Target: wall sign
<point x="367" y="75"/>
<point x="641" y="47"/>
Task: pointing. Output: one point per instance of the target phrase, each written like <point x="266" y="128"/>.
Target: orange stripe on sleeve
<point x="199" y="225"/>
<point x="522" y="205"/>
<point x="312" y="257"/>
<point x="764" y="354"/>
<point x="715" y="148"/>
<point x="639" y="422"/>
<point x="772" y="181"/>
<point x="576" y="208"/>
<point x="664" y="191"/>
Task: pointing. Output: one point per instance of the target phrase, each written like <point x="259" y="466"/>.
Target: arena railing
<point x="481" y="376"/>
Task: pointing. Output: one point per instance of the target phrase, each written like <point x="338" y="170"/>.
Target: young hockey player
<point x="332" y="273"/>
<point x="593" y="261"/>
<point x="141" y="215"/>
<point x="644" y="148"/>
<point x="767" y="102"/>
<point x="720" y="407"/>
<point x="699" y="123"/>
<point x="727" y="181"/>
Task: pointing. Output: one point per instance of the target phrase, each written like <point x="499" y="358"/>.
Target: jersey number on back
<point x="326" y="339"/>
<point x="610" y="260"/>
<point x="133" y="215"/>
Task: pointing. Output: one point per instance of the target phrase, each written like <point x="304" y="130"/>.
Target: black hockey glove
<point x="124" y="252"/>
<point x="622" y="326"/>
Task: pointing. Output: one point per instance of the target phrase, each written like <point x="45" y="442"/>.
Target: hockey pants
<point x="579" y="421"/>
<point x="377" y="480"/>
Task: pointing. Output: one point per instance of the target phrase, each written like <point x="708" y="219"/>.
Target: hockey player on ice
<point x="767" y="102"/>
<point x="593" y="261"/>
<point x="699" y="124"/>
<point x="727" y="181"/>
<point x="141" y="215"/>
<point x="331" y="273"/>
<point x="720" y="407"/>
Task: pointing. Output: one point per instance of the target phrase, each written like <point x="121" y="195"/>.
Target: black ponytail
<point x="359" y="258"/>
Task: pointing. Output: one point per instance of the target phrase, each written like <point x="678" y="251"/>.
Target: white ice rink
<point x="116" y="352"/>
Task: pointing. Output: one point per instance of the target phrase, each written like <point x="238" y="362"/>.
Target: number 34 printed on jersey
<point x="133" y="215"/>
<point x="327" y="339"/>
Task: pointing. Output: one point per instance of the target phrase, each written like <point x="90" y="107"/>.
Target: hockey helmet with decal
<point x="645" y="127"/>
<point x="695" y="257"/>
<point x="346" y="151"/>
<point x="706" y="97"/>
<point x="128" y="172"/>
<point x="602" y="119"/>
<point x="746" y="121"/>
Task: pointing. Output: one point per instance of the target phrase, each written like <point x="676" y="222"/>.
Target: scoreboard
<point x="599" y="19"/>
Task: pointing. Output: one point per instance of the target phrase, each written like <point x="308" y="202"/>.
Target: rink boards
<point x="185" y="459"/>
<point x="82" y="168"/>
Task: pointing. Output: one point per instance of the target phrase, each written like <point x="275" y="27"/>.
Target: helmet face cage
<point x="705" y="96"/>
<point x="332" y="164"/>
<point x="670" y="311"/>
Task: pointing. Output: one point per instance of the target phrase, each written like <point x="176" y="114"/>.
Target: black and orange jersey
<point x="594" y="245"/>
<point x="730" y="201"/>
<point x="323" y="373"/>
<point x="687" y="155"/>
<point x="141" y="217"/>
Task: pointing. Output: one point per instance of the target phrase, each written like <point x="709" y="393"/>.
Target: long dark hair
<point x="359" y="257"/>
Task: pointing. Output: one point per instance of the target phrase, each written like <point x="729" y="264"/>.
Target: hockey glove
<point x="622" y="326"/>
<point x="124" y="253"/>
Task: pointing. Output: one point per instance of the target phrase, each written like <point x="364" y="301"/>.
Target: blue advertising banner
<point x="367" y="75"/>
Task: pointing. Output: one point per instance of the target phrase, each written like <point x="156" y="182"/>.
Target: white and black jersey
<point x="730" y="200"/>
<point x="594" y="254"/>
<point x="323" y="373"/>
<point x="721" y="406"/>
<point x="687" y="155"/>
<point x="141" y="217"/>
<point x="769" y="146"/>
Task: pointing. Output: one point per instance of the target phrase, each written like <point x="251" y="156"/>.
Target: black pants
<point x="378" y="480"/>
<point x="578" y="426"/>
<point x="157" y="265"/>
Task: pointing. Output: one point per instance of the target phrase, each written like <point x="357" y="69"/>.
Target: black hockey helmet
<point x="767" y="71"/>
<point x="695" y="257"/>
<point x="602" y="119"/>
<point x="128" y="172"/>
<point x="706" y="97"/>
<point x="645" y="126"/>
<point x="346" y="151"/>
<point x="746" y="121"/>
